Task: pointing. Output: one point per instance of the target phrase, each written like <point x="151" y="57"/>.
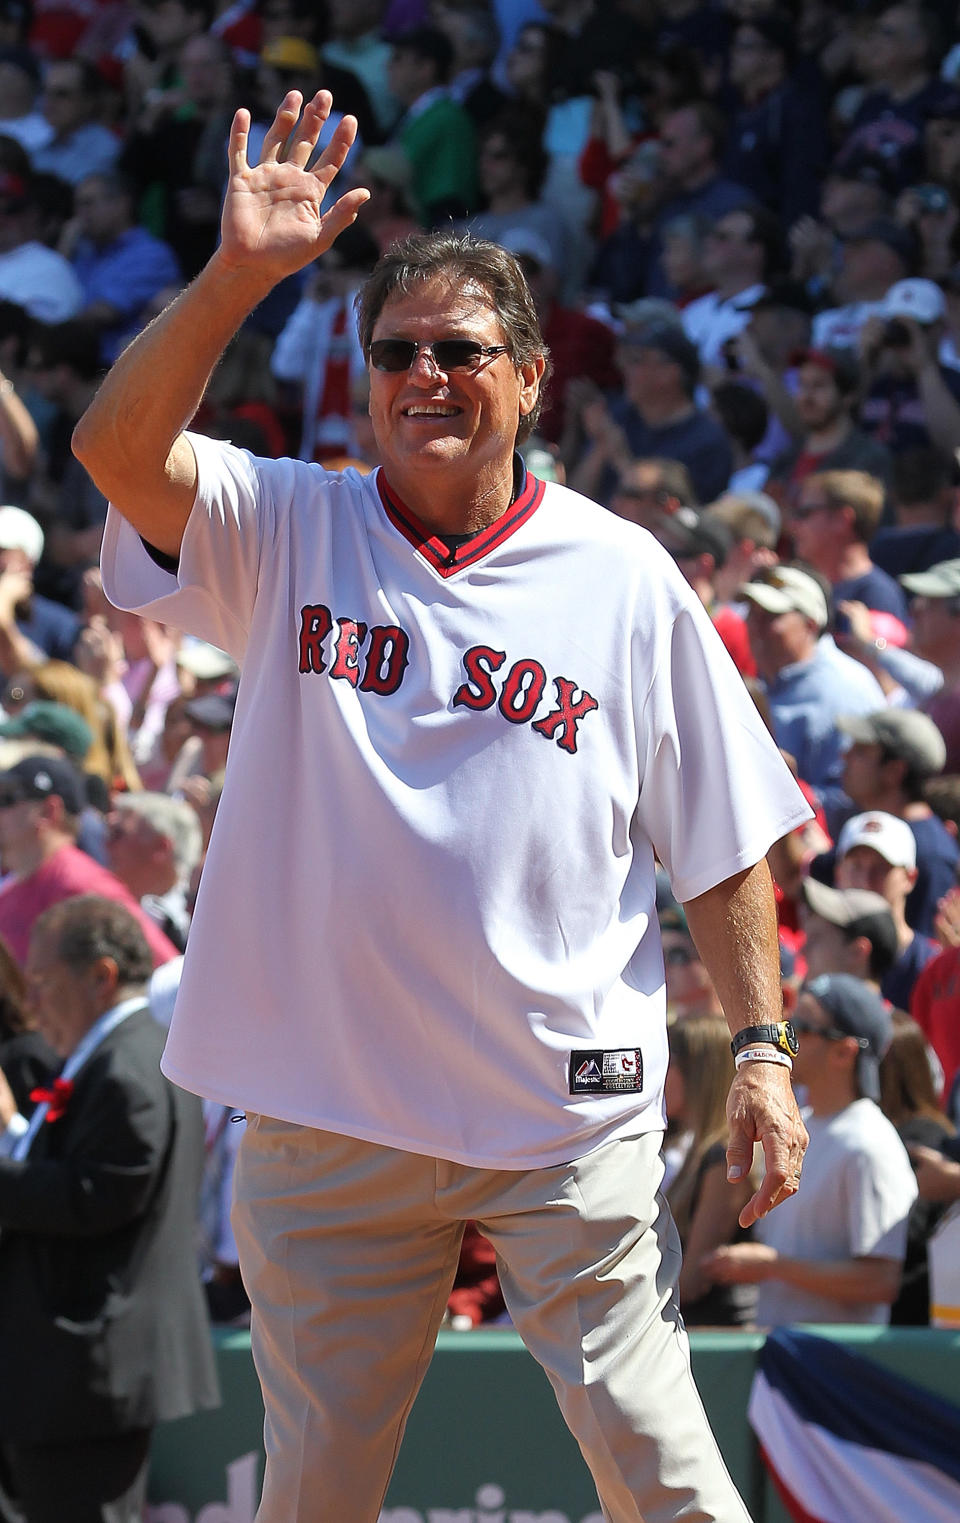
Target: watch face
<point x="790" y="1037"/>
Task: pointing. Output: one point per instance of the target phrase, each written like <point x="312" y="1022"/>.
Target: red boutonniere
<point x="57" y="1097"/>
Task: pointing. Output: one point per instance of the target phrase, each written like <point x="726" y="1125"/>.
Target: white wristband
<point x="763" y="1055"/>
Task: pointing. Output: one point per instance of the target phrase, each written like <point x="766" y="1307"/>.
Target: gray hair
<point x="171" y="818"/>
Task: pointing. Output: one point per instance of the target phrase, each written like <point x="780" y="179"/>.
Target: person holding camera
<point x="909" y="399"/>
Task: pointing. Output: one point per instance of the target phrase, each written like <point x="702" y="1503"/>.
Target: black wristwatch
<point x="782" y="1036"/>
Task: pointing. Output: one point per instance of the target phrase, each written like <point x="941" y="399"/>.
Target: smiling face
<point x="454" y="430"/>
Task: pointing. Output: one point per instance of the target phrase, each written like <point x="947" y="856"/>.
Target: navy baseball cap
<point x="860" y="1012"/>
<point x="214" y="711"/>
<point x="42" y="777"/>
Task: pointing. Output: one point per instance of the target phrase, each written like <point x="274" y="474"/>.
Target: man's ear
<point x="531" y="374"/>
<point x="858" y="956"/>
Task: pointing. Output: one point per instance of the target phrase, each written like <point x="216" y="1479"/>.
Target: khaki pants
<point x="348" y="1252"/>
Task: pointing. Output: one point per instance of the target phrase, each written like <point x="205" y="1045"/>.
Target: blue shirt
<point x="807" y="698"/>
<point x="876" y="589"/>
<point x="897" y="983"/>
<point x="127" y="273"/>
<point x="697" y="441"/>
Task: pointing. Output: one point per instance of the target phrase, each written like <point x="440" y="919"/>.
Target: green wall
<point x="485" y="1442"/>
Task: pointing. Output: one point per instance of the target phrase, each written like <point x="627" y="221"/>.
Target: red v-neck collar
<point x="448" y="561"/>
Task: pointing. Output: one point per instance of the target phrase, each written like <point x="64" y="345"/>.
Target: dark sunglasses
<point x="829" y="1033"/>
<point x="679" y="957"/>
<point x="396" y="354"/>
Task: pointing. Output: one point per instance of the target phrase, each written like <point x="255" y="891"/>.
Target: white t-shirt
<point x="42" y="281"/>
<point x="428" y="908"/>
<point x="710" y="321"/>
<point x="858" y="1187"/>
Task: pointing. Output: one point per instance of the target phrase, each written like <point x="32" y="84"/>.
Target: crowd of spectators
<point x="741" y="225"/>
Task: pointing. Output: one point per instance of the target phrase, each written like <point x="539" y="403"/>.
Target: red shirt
<point x="733" y="632"/>
<point x="579" y="346"/>
<point x="935" y="1006"/>
<point x="64" y="875"/>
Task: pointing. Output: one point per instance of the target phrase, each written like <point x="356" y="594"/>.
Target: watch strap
<point x="781" y="1036"/>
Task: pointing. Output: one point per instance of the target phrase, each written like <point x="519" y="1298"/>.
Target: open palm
<point x="272" y="221"/>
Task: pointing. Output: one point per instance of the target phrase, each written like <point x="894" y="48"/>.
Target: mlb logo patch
<point x="608" y="1071"/>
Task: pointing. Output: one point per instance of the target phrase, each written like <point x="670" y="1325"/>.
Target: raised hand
<point x="272" y="223"/>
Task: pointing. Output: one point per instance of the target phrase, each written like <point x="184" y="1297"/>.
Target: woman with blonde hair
<point x="704" y="1206"/>
<point x="109" y="755"/>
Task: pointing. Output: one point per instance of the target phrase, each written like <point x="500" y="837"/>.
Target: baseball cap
<point x="786" y="587"/>
<point x="920" y="299"/>
<point x="668" y="339"/>
<point x="838" y="362"/>
<point x="941" y="581"/>
<point x="733" y="507"/>
<point x="214" y="711"/>
<point x="866" y="168"/>
<point x="205" y="662"/>
<point x="687" y="532"/>
<point x="55" y="723"/>
<point x="41" y="777"/>
<point x="524" y="243"/>
<point x="884" y="833"/>
<point x="857" y="1011"/>
<point x="906" y="733"/>
<point x="20" y="531"/>
<point x="290" y="53"/>
<point x="856" y="912"/>
<point x="885" y="230"/>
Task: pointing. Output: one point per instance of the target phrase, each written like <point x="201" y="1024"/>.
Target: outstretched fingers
<point x="341" y="214"/>
<point x="288" y="113"/>
<point x="237" y="144"/>
<point x="334" y="156"/>
<point x="304" y="139"/>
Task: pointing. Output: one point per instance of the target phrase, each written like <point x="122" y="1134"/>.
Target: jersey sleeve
<point x="715" y="793"/>
<point x="213" y="591"/>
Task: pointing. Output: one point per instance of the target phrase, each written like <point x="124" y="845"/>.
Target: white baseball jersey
<point x="427" y="916"/>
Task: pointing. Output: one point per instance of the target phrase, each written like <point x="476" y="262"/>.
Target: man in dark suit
<point x="103" y="1329"/>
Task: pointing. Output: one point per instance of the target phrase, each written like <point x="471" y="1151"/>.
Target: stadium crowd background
<point x="741" y="224"/>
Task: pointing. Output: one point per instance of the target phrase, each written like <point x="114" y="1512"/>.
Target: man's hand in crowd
<point x="272" y="222"/>
<point x="15" y="589"/>
<point x="919" y="353"/>
<point x="761" y="1107"/>
<point x="946" y="922"/>
<point x="99" y="651"/>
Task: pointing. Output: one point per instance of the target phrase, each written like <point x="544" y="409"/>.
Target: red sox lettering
<point x="385" y="662"/>
<point x="380" y="669"/>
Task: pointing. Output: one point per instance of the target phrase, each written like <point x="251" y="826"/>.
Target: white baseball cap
<point x="205" y="662"/>
<point x="20" y="531"/>
<point x="919" y="299"/>
<point x="884" y="833"/>
<point x="786" y="587"/>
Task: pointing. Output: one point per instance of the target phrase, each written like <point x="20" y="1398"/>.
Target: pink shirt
<point x="67" y="873"/>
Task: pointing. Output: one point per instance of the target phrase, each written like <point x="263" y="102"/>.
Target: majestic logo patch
<point x="608" y="1071"/>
